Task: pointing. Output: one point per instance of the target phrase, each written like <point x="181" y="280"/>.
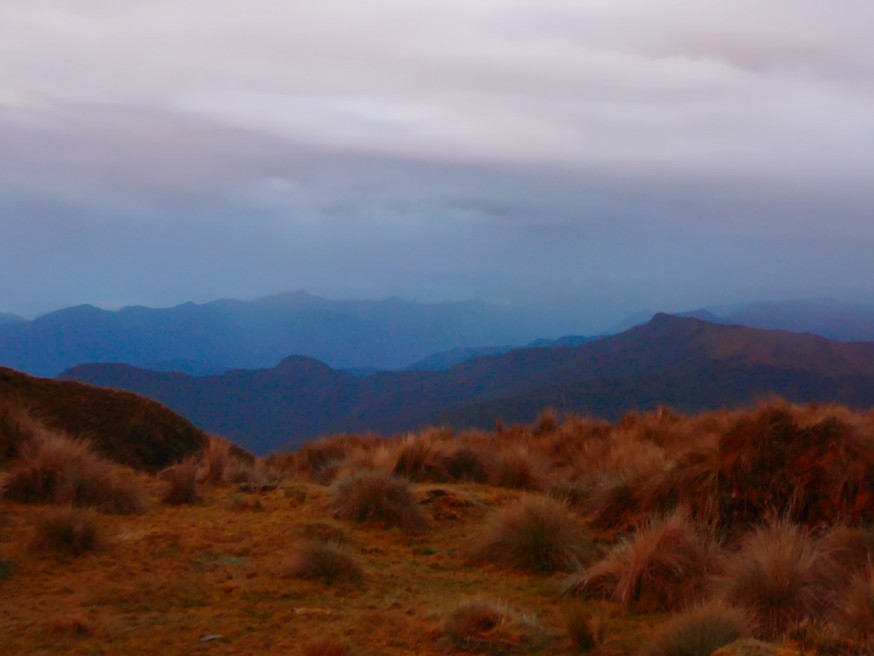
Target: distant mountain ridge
<point x="227" y="334"/>
<point x="684" y="361"/>
<point x="448" y="359"/>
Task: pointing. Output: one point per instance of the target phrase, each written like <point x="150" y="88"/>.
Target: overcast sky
<point x="622" y="153"/>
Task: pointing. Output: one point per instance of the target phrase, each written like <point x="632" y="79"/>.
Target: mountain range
<point x="228" y="334"/>
<point x="683" y="361"/>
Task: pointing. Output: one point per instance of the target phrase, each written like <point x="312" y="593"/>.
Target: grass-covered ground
<point x="659" y="535"/>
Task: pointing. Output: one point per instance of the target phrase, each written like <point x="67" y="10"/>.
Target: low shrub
<point x="534" y="533"/>
<point x="377" y="497"/>
<point x="663" y="565"/>
<point x="779" y="575"/>
<point x="322" y="561"/>
<point x="699" y="631"/>
<point x="180" y="483"/>
<point x="67" y="529"/>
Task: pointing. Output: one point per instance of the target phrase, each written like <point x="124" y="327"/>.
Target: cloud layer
<point x="444" y="148"/>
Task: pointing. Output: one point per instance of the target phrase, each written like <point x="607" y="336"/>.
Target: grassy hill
<point x="746" y="531"/>
<point x="122" y="426"/>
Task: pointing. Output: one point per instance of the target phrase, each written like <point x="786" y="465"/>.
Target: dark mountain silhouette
<point x="190" y="367"/>
<point x="249" y="334"/>
<point x="6" y="318"/>
<point x="124" y="427"/>
<point x="684" y="361"/>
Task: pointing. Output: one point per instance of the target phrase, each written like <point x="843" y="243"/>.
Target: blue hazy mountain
<point x="232" y="334"/>
<point x="685" y="362"/>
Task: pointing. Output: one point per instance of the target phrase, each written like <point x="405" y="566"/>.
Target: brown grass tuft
<point x="485" y="626"/>
<point x="58" y="469"/>
<point x="780" y="575"/>
<point x="699" y="631"/>
<point x="71" y="530"/>
<point x="377" y="497"/>
<point x="180" y="483"/>
<point x="854" y="615"/>
<point x="518" y="468"/>
<point x="419" y="459"/>
<point x="216" y="461"/>
<point x="322" y="561"/>
<point x="535" y="533"/>
<point x="324" y="647"/>
<point x="663" y="565"/>
<point x="467" y="464"/>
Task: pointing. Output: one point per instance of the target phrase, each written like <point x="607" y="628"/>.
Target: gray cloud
<point x="161" y="151"/>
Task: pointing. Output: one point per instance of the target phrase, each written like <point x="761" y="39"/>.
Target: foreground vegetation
<point x="742" y="532"/>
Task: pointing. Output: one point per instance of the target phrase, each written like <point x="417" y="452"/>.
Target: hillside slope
<point x="682" y="361"/>
<point x="124" y="427"/>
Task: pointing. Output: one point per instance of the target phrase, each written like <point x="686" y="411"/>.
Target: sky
<point x="608" y="155"/>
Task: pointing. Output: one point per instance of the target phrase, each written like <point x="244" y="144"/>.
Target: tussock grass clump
<point x="419" y="458"/>
<point x="216" y="461"/>
<point x="535" y="533"/>
<point x="58" y="469"/>
<point x="850" y="549"/>
<point x="324" y="647"/>
<point x="17" y="428"/>
<point x="467" y="464"/>
<point x="663" y="565"/>
<point x="180" y="483"/>
<point x="322" y="561"/>
<point x="779" y="575"/>
<point x="518" y="468"/>
<point x="854" y="615"/>
<point x="485" y="626"/>
<point x="377" y="497"/>
<point x="699" y="631"/>
<point x="70" y="530"/>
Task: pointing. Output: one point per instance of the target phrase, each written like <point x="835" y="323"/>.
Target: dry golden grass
<point x="854" y="614"/>
<point x="377" y="497"/>
<point x="324" y="647"/>
<point x="663" y="565"/>
<point x="180" y="483"/>
<point x="69" y="530"/>
<point x="536" y="533"/>
<point x="322" y="561"/>
<point x="55" y="468"/>
<point x="699" y="631"/>
<point x="486" y="626"/>
<point x="779" y="575"/>
<point x="179" y="573"/>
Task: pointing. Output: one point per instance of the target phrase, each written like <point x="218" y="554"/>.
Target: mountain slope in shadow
<point x="684" y="361"/>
